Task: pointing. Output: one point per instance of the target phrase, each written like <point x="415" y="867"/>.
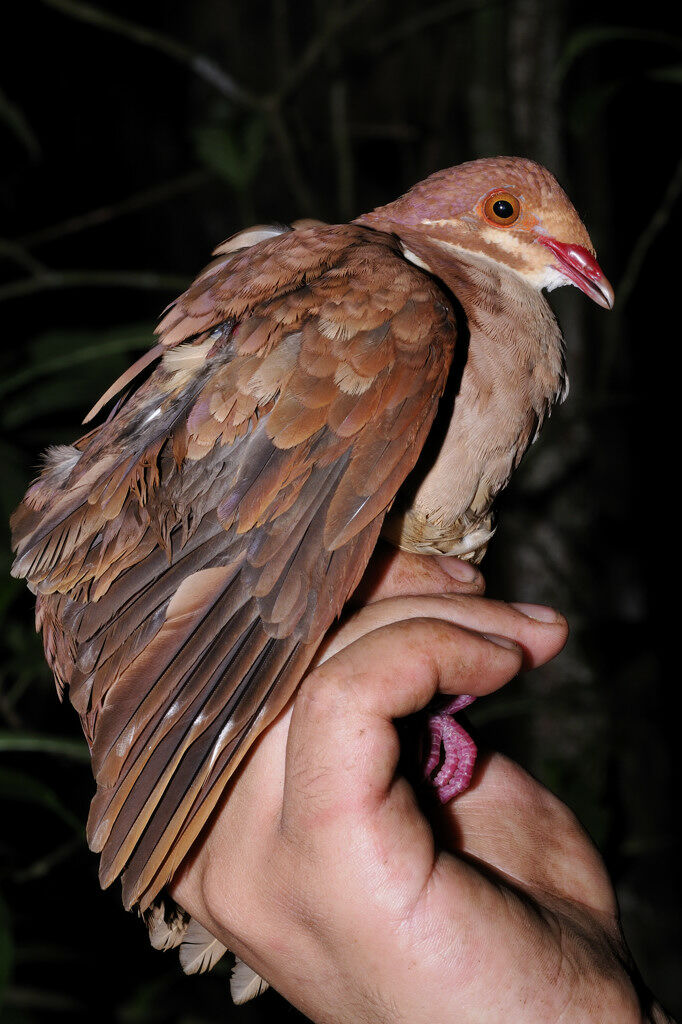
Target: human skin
<point x="322" y="872"/>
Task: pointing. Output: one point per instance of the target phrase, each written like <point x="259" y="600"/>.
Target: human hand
<point x="321" y="871"/>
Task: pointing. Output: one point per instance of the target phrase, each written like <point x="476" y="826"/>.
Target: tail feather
<point x="199" y="950"/>
<point x="245" y="984"/>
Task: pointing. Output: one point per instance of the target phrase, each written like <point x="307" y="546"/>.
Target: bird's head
<point x="506" y="209"/>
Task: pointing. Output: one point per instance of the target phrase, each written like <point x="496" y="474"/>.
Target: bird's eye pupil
<point x="503" y="209"/>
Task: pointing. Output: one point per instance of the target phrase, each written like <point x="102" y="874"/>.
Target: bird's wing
<point x="190" y="553"/>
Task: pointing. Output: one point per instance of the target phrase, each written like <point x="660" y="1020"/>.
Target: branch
<point x="42" y="743"/>
<point x="426" y="19"/>
<point x="93" y="218"/>
<point x="16" y="252"/>
<point x="294" y="175"/>
<point x="44" y="865"/>
<point x="625" y="288"/>
<point x="316" y="48"/>
<point x="225" y="84"/>
<point x="203" y="66"/>
<point x="16" y="121"/>
<point x="55" y="279"/>
<point x="658" y="221"/>
<point x="343" y="149"/>
<point x="596" y="35"/>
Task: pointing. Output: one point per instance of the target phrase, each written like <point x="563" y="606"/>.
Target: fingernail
<point x="539" y="612"/>
<point x="501" y="641"/>
<point x="460" y="570"/>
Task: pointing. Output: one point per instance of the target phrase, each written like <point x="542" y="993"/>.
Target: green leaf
<point x="586" y="39"/>
<point x="234" y="155"/>
<point x="15" y="120"/>
<point x="57" y="351"/>
<point x="34" y="742"/>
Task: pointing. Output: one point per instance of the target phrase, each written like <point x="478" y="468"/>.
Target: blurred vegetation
<point x="137" y="136"/>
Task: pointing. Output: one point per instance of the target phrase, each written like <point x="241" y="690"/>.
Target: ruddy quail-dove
<point x="189" y="554"/>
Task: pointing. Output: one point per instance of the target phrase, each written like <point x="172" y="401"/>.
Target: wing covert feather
<point x="189" y="554"/>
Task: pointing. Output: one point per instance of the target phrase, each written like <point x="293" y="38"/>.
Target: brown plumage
<point x="189" y="554"/>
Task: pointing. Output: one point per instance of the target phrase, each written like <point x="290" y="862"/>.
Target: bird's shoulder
<point x="353" y="270"/>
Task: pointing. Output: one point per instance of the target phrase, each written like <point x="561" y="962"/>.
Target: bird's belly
<point x="450" y="511"/>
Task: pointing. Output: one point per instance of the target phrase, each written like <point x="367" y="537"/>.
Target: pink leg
<point x="459" y="751"/>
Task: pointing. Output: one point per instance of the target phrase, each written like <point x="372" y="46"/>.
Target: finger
<point x="392" y="572"/>
<point x="511" y="822"/>
<point x="344" y="715"/>
<point x="540" y="639"/>
<point x="343" y="748"/>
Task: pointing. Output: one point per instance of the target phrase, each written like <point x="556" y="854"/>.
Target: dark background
<point x="135" y="137"/>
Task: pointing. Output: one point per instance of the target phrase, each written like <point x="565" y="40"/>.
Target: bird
<point x="316" y="386"/>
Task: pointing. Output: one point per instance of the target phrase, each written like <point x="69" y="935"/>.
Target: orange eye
<point x="502" y="208"/>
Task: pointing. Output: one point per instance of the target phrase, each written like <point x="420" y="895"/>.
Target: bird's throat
<point x="507" y="373"/>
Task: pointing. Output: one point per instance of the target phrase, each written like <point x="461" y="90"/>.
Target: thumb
<point x="342" y="747"/>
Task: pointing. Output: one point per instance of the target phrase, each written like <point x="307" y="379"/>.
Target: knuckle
<point x="321" y="692"/>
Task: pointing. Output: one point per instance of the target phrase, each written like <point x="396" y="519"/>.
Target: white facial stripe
<point x="501" y="238"/>
<point x="543" y="277"/>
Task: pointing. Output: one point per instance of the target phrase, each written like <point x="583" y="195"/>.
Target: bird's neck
<point x="510" y="372"/>
<point x="472" y="276"/>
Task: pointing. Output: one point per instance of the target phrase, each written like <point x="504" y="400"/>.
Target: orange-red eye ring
<point x="502" y="208"/>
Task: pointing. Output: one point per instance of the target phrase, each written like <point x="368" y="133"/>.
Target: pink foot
<point x="458" y="751"/>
